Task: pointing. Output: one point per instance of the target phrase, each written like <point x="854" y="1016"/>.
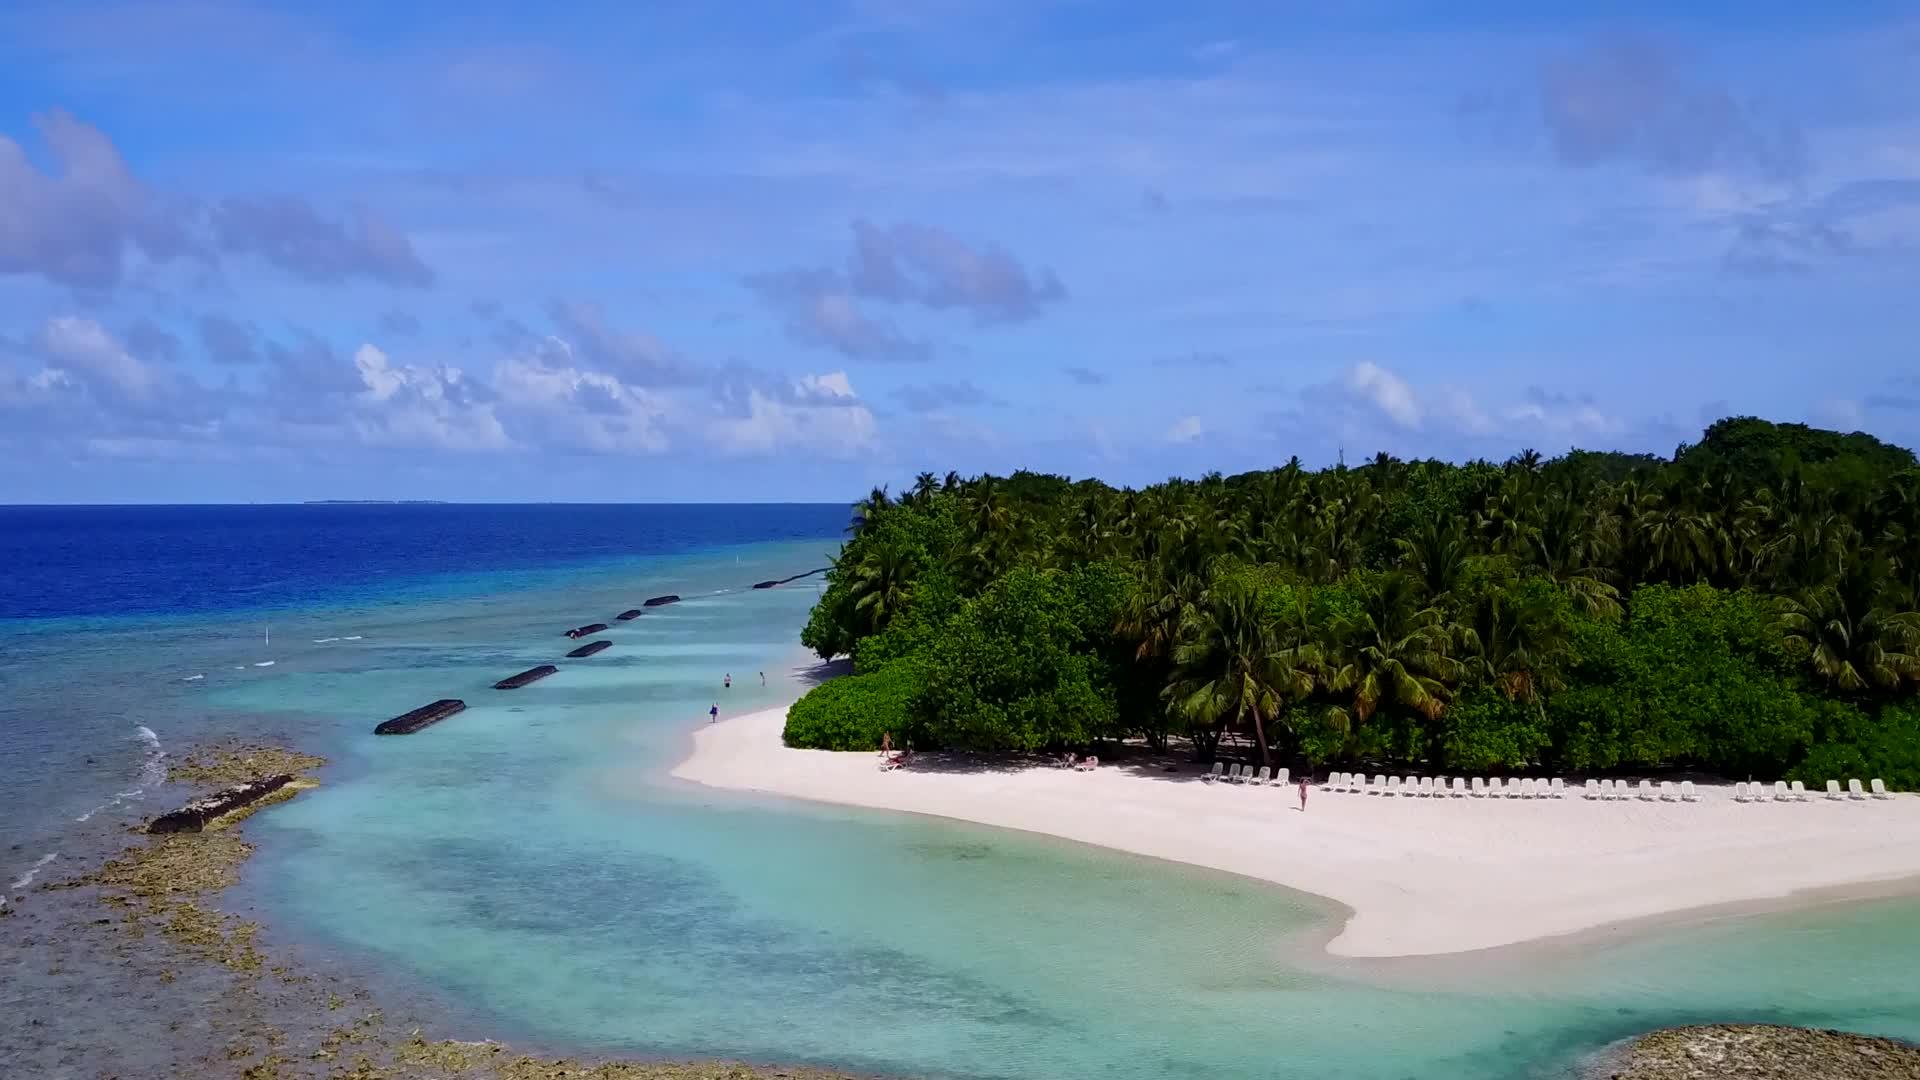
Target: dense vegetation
<point x="1747" y="607"/>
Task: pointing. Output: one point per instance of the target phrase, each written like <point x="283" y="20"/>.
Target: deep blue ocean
<point x="529" y="864"/>
<point x="78" y="561"/>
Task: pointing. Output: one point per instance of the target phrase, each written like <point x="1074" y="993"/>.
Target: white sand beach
<point x="1422" y="876"/>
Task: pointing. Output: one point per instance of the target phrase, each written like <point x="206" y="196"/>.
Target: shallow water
<point x="529" y="861"/>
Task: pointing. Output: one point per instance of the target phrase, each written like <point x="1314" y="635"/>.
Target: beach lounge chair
<point x="1261" y="779"/>
<point x="1799" y="791"/>
<point x="1459" y="788"/>
<point x="1606" y="791"/>
<point x="1557" y="788"/>
<point x="1393" y="785"/>
<point x="1517" y="788"/>
<point x="1478" y="789"/>
<point x="1833" y="790"/>
<point x="1667" y="792"/>
<point x="1740" y="791"/>
<point x="1280" y="778"/>
<point x="1425" y="788"/>
<point x="1646" y="791"/>
<point x="1496" y="788"/>
<point x="1379" y="785"/>
<point x="1854" y="790"/>
<point x="1780" y="791"/>
<point x="1593" y="790"/>
<point x="1213" y="773"/>
<point x="1880" y="790"/>
<point x="1687" y="794"/>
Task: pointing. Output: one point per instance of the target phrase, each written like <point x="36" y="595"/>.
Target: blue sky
<point x="788" y="251"/>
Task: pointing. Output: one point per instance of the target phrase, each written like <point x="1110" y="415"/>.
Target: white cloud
<point x="1185" y="430"/>
<point x="1385" y="391"/>
<point x="422" y="406"/>
<point x="821" y="413"/>
<point x="546" y="400"/>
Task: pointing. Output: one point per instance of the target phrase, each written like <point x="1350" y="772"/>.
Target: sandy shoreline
<point x="1422" y="876"/>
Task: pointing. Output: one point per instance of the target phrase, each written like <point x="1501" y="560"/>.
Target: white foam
<point x="26" y="879"/>
<point x="191" y="678"/>
<point x="153" y="772"/>
<point x="265" y="663"/>
<point x="351" y="637"/>
<point x="324" y="640"/>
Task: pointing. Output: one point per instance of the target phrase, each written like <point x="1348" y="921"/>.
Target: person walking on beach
<point x="713" y="714"/>
<point x="1303" y="794"/>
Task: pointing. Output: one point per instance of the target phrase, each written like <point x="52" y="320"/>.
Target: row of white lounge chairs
<point x="1460" y="787"/>
<point x="1757" y="792"/>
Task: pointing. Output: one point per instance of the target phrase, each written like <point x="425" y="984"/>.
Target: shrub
<point x="851" y="713"/>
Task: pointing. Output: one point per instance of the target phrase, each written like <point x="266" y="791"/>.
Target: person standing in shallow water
<point x="1303" y="794"/>
<point x="713" y="714"/>
<point x="728" y="681"/>
<point x="763" y="678"/>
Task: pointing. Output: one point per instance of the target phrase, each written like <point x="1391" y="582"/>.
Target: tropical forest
<point x="1749" y="607"/>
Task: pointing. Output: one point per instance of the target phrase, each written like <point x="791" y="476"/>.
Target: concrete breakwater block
<point x="590" y="648"/>
<point x="656" y="601"/>
<point x="583" y="631"/>
<point x="531" y="675"/>
<point x="629" y="614"/>
<point x="409" y="722"/>
<point x="194" y="816"/>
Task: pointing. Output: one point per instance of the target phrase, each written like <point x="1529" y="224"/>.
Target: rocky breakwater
<point x="1758" y="1052"/>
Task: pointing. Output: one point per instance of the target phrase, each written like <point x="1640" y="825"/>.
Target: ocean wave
<point x="324" y="640"/>
<point x="191" y="678"/>
<point x="153" y="772"/>
<point x="26" y="879"/>
<point x="351" y="637"/>
<point x="265" y="663"/>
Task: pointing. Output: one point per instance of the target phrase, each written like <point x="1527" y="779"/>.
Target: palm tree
<point x="1515" y="641"/>
<point x="881" y="583"/>
<point x="924" y="487"/>
<point x="1391" y="652"/>
<point x="1235" y="662"/>
<point x="1847" y="637"/>
<point x="1436" y="555"/>
<point x="867" y="509"/>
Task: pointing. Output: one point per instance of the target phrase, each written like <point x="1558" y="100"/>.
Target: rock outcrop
<point x="1760" y="1052"/>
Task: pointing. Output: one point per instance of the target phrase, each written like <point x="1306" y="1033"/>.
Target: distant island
<point x="374" y="502"/>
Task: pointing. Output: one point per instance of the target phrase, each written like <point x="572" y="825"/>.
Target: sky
<point x="788" y="251"/>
